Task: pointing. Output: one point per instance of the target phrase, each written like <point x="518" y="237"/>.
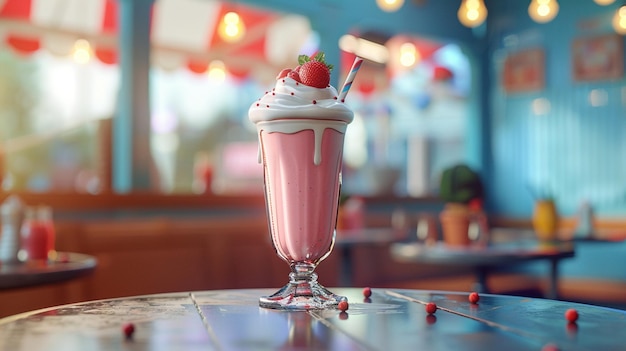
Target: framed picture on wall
<point x="524" y="71"/>
<point x="598" y="58"/>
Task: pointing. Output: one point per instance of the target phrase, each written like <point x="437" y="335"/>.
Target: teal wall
<point x="574" y="153"/>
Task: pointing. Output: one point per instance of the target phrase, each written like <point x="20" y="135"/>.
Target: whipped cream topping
<point x="293" y="100"/>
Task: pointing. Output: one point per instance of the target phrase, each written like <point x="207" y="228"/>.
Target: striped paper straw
<point x="350" y="78"/>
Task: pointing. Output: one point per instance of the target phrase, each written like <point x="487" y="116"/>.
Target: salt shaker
<point x="11" y="216"/>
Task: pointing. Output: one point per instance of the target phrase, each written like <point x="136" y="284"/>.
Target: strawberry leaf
<point x="302" y="59"/>
<point x="320" y="56"/>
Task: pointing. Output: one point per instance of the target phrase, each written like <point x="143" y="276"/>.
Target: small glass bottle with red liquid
<point x="44" y="217"/>
<point x="37" y="233"/>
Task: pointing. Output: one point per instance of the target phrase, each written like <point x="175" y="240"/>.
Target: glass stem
<point x="302" y="276"/>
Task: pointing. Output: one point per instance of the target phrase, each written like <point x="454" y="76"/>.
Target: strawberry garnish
<point x="314" y="71"/>
<point x="294" y="75"/>
<point x="283" y="73"/>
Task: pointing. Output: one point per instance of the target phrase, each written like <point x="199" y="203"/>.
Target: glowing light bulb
<point x="81" y="52"/>
<point x="217" y="71"/>
<point x="408" y="54"/>
<point x="472" y="13"/>
<point x="231" y="27"/>
<point x="390" y="5"/>
<point x="543" y="11"/>
<point x="604" y="2"/>
<point x="619" y="20"/>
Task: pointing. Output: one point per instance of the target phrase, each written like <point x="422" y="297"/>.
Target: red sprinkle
<point x="314" y="102"/>
<point x="129" y="329"/>
<point x="343" y="305"/>
<point x="431" y="308"/>
<point x="292" y="93"/>
<point x="474" y="297"/>
<point x="367" y="292"/>
<point x="571" y="315"/>
<point x="268" y="106"/>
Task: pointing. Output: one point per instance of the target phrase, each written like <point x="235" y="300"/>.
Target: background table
<point x="348" y="240"/>
<point x="484" y="258"/>
<point x="66" y="266"/>
<point x="393" y="319"/>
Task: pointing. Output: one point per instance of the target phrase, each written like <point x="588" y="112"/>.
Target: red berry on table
<point x="571" y="315"/>
<point x="474" y="297"/>
<point x="367" y="292"/>
<point x="129" y="329"/>
<point x="283" y="73"/>
<point x="431" y="308"/>
<point x="314" y="71"/>
<point x="343" y="305"/>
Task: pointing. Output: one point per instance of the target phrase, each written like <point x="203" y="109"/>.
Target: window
<point x="409" y="111"/>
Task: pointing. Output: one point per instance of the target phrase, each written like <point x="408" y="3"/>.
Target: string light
<point x="217" y="71"/>
<point x="604" y="2"/>
<point x="472" y="13"/>
<point x="408" y="54"/>
<point x="619" y="20"/>
<point x="390" y="5"/>
<point x="81" y="52"/>
<point x="231" y="27"/>
<point x="543" y="11"/>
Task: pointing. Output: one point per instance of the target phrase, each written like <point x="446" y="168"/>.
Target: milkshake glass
<point x="301" y="133"/>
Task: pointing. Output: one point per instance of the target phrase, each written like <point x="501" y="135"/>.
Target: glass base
<point x="302" y="294"/>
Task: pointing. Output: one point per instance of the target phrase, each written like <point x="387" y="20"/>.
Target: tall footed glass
<point x="302" y="171"/>
<point x="301" y="124"/>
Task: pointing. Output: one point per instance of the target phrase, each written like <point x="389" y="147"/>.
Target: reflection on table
<point x="484" y="258"/>
<point x="66" y="266"/>
<point x="393" y="319"/>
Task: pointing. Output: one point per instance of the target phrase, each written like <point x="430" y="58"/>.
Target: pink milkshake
<point x="301" y="133"/>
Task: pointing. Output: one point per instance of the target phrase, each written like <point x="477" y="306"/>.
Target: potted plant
<point x="459" y="185"/>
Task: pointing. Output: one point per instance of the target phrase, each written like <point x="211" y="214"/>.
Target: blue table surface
<point x="391" y="319"/>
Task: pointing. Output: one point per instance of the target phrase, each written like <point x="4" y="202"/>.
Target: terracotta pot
<point x="455" y="220"/>
<point x="545" y="220"/>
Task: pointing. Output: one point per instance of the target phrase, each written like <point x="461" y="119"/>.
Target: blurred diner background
<point x="128" y="118"/>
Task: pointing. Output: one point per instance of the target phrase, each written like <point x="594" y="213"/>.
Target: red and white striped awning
<point x="183" y="32"/>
